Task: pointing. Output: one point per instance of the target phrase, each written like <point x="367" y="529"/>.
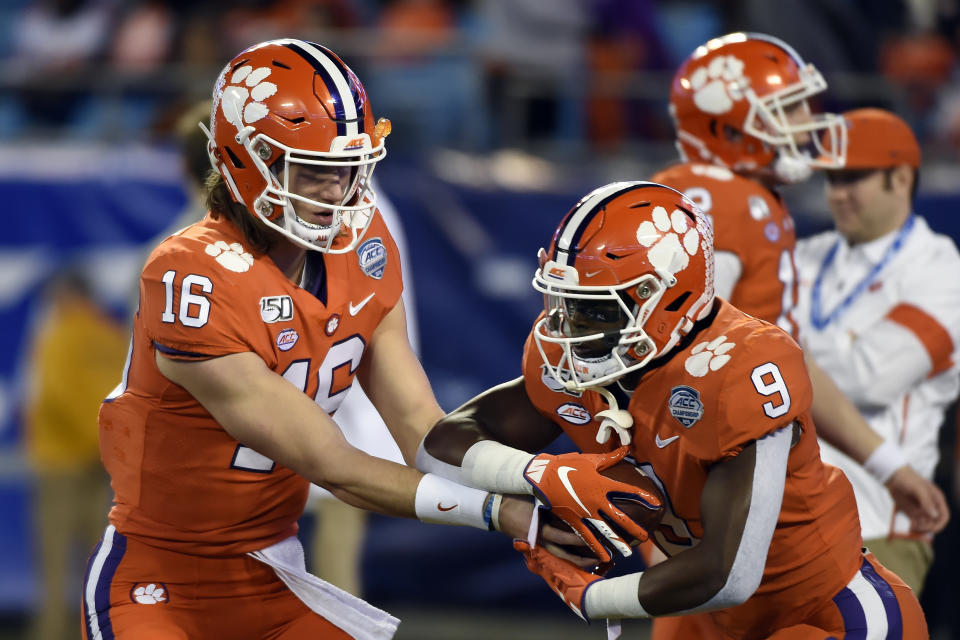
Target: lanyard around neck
<point x="817" y="319"/>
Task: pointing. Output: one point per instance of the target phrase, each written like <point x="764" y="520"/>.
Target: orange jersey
<point x="180" y="480"/>
<point x="731" y="381"/>
<point x="751" y="222"/>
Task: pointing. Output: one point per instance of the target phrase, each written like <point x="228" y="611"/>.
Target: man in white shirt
<point x="879" y="309"/>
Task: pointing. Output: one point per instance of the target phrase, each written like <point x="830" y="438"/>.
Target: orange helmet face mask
<point x="287" y="105"/>
<point x="741" y="101"/>
<point x="629" y="271"/>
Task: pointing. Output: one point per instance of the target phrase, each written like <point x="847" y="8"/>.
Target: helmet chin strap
<point x="791" y="170"/>
<point x="613" y="419"/>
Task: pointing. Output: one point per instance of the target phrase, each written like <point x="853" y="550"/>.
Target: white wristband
<point x="885" y="461"/>
<point x="496" y="467"/>
<point x="495" y="511"/>
<point x="443" y="502"/>
<point x="614" y="598"/>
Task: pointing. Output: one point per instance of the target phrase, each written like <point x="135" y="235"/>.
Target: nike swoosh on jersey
<point x="662" y="443"/>
<point x="562" y="473"/>
<point x="355" y="309"/>
<point x="440" y="507"/>
<point x="591" y="274"/>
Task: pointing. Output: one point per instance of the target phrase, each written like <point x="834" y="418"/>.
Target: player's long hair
<point x="256" y="233"/>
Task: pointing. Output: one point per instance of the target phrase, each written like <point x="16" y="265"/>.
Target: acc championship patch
<point x="373" y="257"/>
<point x="685" y="405"/>
<point x="574" y="413"/>
<point x="772" y="231"/>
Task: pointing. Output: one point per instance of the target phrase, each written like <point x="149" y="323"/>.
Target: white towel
<point x="357" y="617"/>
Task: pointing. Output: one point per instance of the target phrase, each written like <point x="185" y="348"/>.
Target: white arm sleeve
<point x="769" y="477"/>
<point x="881" y="363"/>
<point x="487" y="465"/>
<point x="617" y="597"/>
<point x="429" y="464"/>
<point x="727" y="272"/>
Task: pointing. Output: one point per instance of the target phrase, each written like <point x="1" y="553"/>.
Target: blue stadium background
<point x="472" y="253"/>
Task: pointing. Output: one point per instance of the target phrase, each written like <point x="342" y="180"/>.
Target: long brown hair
<point x="221" y="203"/>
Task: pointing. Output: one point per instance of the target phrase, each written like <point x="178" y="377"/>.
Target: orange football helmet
<point x="289" y="102"/>
<point x="629" y="270"/>
<point x="740" y="101"/>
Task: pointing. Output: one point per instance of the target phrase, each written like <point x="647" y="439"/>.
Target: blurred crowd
<point x="475" y="75"/>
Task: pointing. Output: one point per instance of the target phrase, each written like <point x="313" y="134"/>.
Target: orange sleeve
<point x="767" y="389"/>
<point x="536" y="379"/>
<point x="379" y="260"/>
<point x="928" y="330"/>
<point x="192" y="307"/>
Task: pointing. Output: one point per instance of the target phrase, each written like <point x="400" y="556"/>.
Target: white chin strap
<point x="613" y="420"/>
<point x="791" y="170"/>
<point x="313" y="235"/>
<point x="594" y="368"/>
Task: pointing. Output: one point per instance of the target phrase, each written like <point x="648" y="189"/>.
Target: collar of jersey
<point x="685" y="341"/>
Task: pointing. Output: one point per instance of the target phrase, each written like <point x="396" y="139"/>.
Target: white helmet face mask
<point x="349" y="220"/>
<point x="783" y="120"/>
<point x="596" y="327"/>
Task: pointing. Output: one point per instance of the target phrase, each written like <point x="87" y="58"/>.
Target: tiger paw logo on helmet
<point x="242" y="100"/>
<point x="670" y="238"/>
<point x="718" y="85"/>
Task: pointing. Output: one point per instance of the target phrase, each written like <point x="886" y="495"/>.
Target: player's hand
<point x="558" y="538"/>
<point x="920" y="499"/>
<point x="575" y="491"/>
<point x="515" y="515"/>
<point x="567" y="581"/>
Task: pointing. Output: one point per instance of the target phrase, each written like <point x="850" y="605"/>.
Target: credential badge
<point x="372" y="255"/>
<point x="685" y="405"/>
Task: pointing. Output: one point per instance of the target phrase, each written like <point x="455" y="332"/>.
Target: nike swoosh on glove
<point x="566" y="579"/>
<point x="575" y="490"/>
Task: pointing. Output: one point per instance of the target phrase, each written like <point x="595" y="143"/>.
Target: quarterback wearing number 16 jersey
<point x="204" y="294"/>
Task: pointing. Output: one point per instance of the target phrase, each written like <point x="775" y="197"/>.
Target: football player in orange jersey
<point x="251" y="327"/>
<point x="633" y="349"/>
<point x="744" y="127"/>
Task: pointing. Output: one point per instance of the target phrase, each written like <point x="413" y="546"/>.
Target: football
<point x="646" y="515"/>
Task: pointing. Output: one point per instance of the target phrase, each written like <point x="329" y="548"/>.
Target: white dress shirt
<point x="886" y="330"/>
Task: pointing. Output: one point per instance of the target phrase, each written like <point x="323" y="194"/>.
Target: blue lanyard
<point x="816" y="315"/>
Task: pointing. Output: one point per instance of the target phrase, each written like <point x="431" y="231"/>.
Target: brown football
<point x="647" y="515"/>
